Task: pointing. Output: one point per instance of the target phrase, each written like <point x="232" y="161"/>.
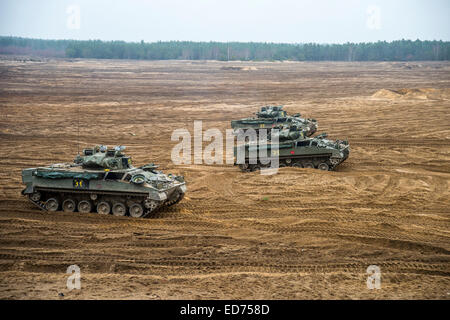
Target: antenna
<point x="78" y="129"/>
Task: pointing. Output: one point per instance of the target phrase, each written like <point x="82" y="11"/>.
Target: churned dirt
<point x="300" y="234"/>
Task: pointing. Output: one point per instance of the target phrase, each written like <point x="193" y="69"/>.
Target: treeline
<point x="38" y="47"/>
<point x="401" y="50"/>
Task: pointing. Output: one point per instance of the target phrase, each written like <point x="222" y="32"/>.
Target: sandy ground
<point x="301" y="234"/>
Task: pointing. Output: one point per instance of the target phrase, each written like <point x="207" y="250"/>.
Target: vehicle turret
<point x="272" y="116"/>
<point x="102" y="157"/>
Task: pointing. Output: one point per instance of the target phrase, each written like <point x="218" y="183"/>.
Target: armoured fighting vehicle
<point x="272" y="116"/>
<point x="102" y="180"/>
<point x="294" y="149"/>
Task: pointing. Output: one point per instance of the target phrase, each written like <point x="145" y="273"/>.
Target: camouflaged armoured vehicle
<point x="272" y="116"/>
<point x="294" y="149"/>
<point x="102" y="180"/>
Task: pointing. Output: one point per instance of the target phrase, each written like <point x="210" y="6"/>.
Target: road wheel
<point x="323" y="166"/>
<point x="119" y="209"/>
<point x="256" y="168"/>
<point x="52" y="204"/>
<point x="136" y="210"/>
<point x="103" y="207"/>
<point x="36" y="196"/>
<point x="151" y="205"/>
<point x="308" y="165"/>
<point x="243" y="167"/>
<point x="297" y="164"/>
<point x="69" y="205"/>
<point x="84" y="206"/>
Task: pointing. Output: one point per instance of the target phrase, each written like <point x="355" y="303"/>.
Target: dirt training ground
<point x="301" y="234"/>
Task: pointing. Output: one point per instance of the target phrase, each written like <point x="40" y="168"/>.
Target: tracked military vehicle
<point x="102" y="180"/>
<point x="293" y="149"/>
<point x="272" y="116"/>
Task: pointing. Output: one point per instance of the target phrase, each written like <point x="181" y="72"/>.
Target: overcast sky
<point x="322" y="21"/>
